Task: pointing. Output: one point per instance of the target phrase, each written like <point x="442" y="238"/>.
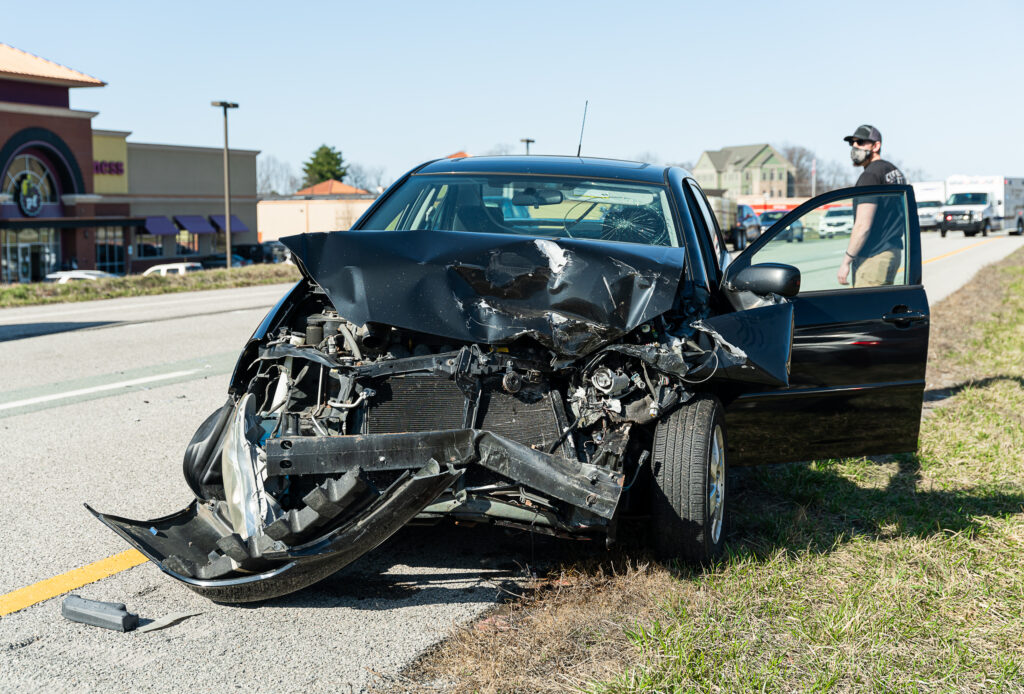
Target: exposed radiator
<point x="526" y="417"/>
<point x="415" y="403"/>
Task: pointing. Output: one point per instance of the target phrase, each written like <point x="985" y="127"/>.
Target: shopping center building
<point x="72" y="197"/>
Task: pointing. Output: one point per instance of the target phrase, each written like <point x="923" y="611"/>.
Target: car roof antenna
<point x="580" y="147"/>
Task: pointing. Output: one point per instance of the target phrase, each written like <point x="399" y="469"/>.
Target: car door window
<point x="875" y="226"/>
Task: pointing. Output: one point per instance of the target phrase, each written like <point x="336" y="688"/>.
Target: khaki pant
<point x="877" y="270"/>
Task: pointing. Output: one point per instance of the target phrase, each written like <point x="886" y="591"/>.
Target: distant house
<point x="332" y="187"/>
<point x="747" y="170"/>
<point x="327" y="206"/>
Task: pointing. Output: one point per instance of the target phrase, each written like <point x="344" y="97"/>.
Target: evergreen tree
<point x="325" y="164"/>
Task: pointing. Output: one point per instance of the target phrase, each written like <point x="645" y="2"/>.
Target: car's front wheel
<point x="688" y="495"/>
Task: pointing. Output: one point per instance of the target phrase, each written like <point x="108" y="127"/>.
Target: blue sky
<point x="393" y="84"/>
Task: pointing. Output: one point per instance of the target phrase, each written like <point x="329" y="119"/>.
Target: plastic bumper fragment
<point x="108" y="615"/>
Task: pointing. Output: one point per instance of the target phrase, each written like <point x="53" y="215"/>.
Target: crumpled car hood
<point x="571" y="295"/>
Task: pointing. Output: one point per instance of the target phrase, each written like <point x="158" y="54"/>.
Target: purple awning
<point x="236" y="224"/>
<point x="194" y="223"/>
<point x="160" y="226"/>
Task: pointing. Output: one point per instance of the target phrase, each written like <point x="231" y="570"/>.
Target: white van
<point x="172" y="269"/>
<point x="983" y="203"/>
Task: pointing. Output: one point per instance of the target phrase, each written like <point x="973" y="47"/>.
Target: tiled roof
<point x="332" y="187"/>
<point x="734" y="158"/>
<point x="18" y="65"/>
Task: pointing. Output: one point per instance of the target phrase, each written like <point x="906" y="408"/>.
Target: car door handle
<point x="905" y="317"/>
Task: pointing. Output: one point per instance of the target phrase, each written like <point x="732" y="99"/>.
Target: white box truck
<point x="983" y="203"/>
<point x="930" y="196"/>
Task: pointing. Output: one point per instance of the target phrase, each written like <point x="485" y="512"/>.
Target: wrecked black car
<point x="544" y="343"/>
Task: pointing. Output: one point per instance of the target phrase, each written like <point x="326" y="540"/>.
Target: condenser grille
<point x="526" y="417"/>
<point x="415" y="403"/>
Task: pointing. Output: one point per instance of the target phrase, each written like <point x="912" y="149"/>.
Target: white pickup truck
<point x="983" y="203"/>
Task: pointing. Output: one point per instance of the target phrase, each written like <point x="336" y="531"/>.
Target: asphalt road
<point x="97" y="403"/>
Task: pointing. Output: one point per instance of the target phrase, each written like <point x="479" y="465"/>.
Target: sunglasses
<point x="860" y="143"/>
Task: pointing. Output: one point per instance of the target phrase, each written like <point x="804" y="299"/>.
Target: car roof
<point x="590" y="167"/>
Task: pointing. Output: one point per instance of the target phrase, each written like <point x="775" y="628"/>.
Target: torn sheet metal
<point x="752" y="346"/>
<point x="572" y="296"/>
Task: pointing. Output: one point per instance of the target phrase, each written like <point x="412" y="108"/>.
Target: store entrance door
<point x="34" y="261"/>
<point x="24" y="262"/>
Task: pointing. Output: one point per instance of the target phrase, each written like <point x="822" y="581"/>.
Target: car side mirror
<point x="767" y="278"/>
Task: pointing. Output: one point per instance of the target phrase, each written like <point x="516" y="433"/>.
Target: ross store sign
<point x="110" y="168"/>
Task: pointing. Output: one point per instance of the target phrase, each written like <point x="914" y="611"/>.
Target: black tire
<point x="741" y="239"/>
<point x="688" y="464"/>
<point x="970" y="234"/>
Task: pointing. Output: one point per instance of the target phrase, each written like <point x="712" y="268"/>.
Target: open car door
<point x="859" y="349"/>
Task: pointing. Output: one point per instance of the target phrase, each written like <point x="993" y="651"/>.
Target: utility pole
<point x="227" y="185"/>
<point x="814" y="176"/>
<point x="528" y="141"/>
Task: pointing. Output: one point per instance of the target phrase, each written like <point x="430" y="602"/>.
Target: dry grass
<point x="137" y="285"/>
<point x="899" y="574"/>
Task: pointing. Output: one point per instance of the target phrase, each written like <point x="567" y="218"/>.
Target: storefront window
<point x="110" y="249"/>
<point x="27" y="255"/>
<point x="149" y="246"/>
<point x="188" y="243"/>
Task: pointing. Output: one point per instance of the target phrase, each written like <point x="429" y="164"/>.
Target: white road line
<point x="94" y="389"/>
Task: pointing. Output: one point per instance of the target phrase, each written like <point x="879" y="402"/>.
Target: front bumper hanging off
<point x="198" y="547"/>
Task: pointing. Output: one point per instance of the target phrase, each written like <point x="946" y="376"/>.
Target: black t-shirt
<point x="889" y="223"/>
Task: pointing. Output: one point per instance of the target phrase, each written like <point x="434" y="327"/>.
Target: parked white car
<point x="172" y="269"/>
<point x="838" y="220"/>
<point x="929" y="214"/>
<point x="65" y="276"/>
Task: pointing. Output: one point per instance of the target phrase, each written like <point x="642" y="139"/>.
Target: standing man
<point x="876" y="242"/>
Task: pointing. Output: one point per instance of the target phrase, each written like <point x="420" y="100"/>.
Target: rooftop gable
<point x="332" y="187"/>
<point x="18" y="65"/>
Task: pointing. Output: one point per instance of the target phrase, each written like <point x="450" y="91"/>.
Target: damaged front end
<point x="495" y="380"/>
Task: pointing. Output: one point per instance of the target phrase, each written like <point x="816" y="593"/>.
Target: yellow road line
<point x="959" y="250"/>
<point x="76" y="578"/>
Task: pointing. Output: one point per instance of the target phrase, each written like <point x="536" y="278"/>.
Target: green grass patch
<point x="137" y="285"/>
<point x="894" y="575"/>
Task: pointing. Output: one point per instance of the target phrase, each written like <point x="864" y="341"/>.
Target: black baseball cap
<point x="865" y="132"/>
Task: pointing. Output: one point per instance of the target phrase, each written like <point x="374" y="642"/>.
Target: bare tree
<point x="833" y="175"/>
<point x="912" y="173"/>
<point x="369" y="178"/>
<point x="803" y="159"/>
<point x="688" y="165"/>
<point x="274" y="176"/>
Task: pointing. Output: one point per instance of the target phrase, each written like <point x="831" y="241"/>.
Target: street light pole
<point x="227" y="185"/>
<point x="528" y="141"/>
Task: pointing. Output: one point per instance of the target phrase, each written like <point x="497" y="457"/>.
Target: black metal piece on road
<point x="108" y="615"/>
